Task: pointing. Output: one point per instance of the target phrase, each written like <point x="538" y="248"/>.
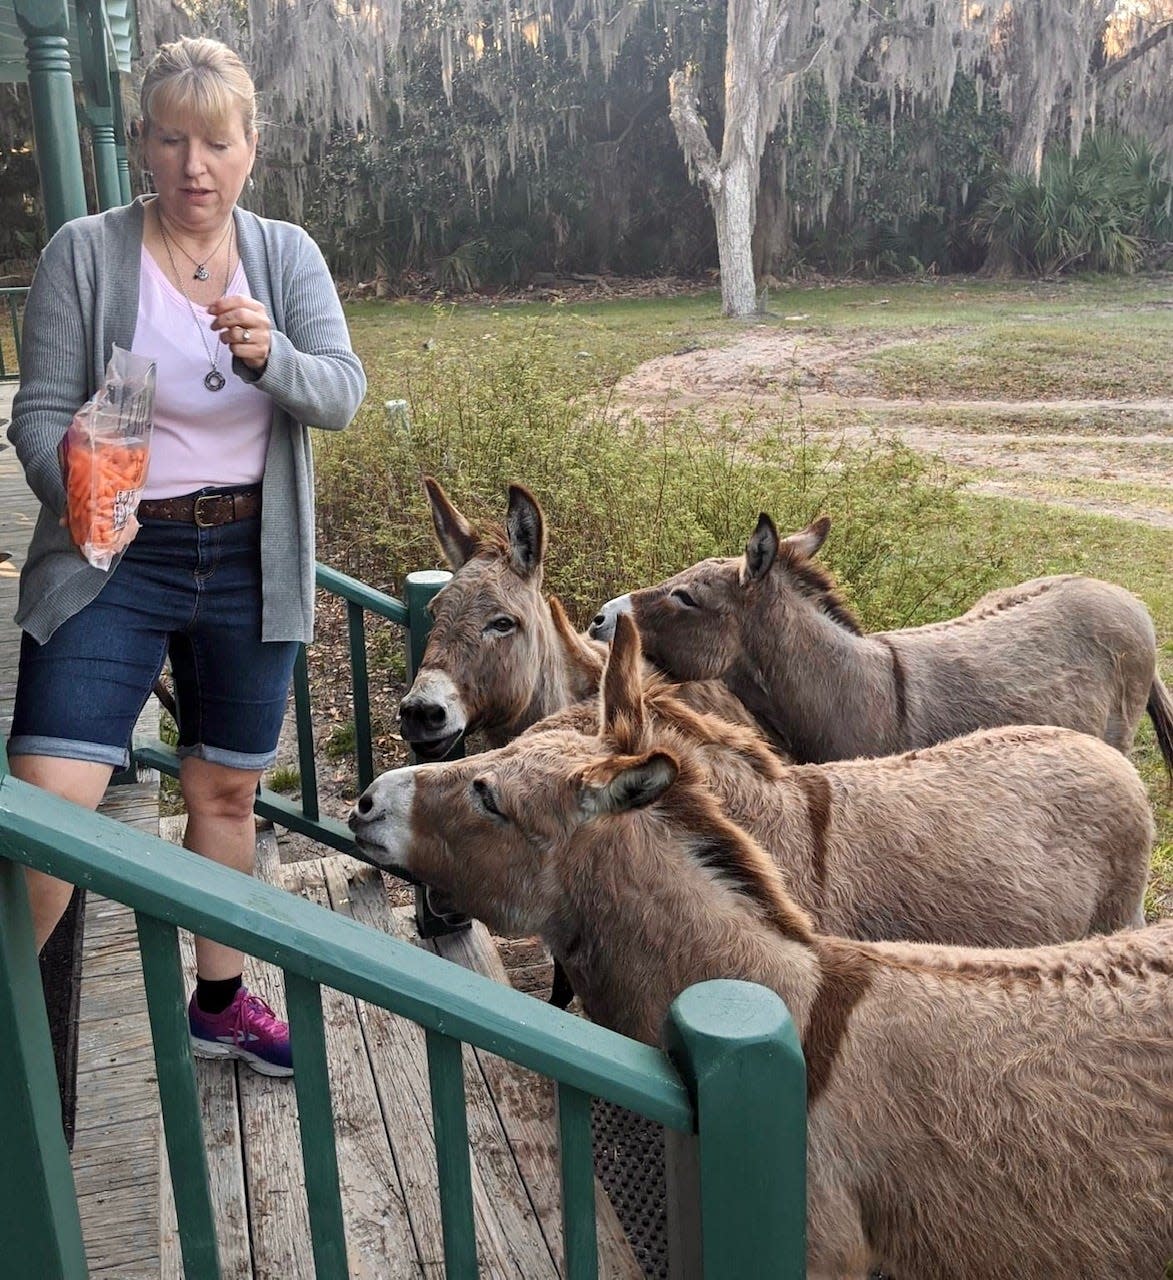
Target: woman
<point x="242" y="319"/>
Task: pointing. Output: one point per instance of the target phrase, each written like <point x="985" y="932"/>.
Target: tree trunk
<point x="733" y="211"/>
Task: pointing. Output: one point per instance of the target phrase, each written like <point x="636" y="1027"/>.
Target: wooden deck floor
<point x="382" y="1123"/>
<point x="378" y="1072"/>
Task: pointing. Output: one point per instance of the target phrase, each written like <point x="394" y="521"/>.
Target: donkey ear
<point x="453" y="531"/>
<point x="807" y="541"/>
<point x="761" y="550"/>
<point x="584" y="656"/>
<point x="622" y="711"/>
<point x="637" y="784"/>
<point x="527" y="531"/>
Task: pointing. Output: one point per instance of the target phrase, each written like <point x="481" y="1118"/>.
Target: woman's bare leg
<point x="220" y="826"/>
<point x="84" y="783"/>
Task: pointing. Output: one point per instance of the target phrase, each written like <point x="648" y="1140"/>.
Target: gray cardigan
<point x="84" y="299"/>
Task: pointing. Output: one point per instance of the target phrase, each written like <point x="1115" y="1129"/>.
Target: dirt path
<point x="1043" y="450"/>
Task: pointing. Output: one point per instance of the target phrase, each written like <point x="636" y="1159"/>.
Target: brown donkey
<point x="971" y="1114"/>
<point x="1008" y="837"/>
<point x="500" y="657"/>
<point x="1068" y="650"/>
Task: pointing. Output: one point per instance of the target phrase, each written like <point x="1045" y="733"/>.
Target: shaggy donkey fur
<point x="1067" y="650"/>
<point x="972" y="1114"/>
<point x="499" y="657"/>
<point x="1007" y="837"/>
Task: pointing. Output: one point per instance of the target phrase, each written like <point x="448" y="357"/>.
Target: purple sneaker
<point x="248" y="1029"/>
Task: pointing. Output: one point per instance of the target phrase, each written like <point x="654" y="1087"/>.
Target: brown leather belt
<point x="205" y="510"/>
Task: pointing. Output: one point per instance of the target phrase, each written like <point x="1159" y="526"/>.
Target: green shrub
<point x="627" y="501"/>
<point x="1096" y="211"/>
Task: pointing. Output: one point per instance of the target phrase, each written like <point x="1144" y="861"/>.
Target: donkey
<point x="1064" y="650"/>
<point x="1016" y="836"/>
<point x="499" y="656"/>
<point x="970" y="1113"/>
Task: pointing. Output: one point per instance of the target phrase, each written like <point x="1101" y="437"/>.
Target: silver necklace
<point x="201" y="268"/>
<point x="214" y="380"/>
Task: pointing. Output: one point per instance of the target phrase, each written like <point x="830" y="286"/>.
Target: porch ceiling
<point x="120" y="16"/>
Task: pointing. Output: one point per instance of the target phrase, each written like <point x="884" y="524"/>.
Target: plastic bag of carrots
<point x="104" y="458"/>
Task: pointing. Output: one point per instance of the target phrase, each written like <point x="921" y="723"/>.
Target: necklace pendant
<point x="214" y="380"/>
<point x="201" y="272"/>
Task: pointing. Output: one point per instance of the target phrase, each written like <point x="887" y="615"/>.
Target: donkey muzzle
<point x="603" y="623"/>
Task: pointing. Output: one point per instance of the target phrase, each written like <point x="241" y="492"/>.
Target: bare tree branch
<point x="796" y="66"/>
<point x="690" y="129"/>
<point x="1108" y="73"/>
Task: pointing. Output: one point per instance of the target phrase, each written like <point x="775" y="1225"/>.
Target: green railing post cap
<point x="428" y="578"/>
<point x="725" y="1015"/>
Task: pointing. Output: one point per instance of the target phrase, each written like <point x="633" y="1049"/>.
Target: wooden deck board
<point x="522" y="1103"/>
<point x="397" y="1051"/>
<point x="115" y="1154"/>
<point x="220" y="1112"/>
<point x="278" y="1211"/>
<point x="526" y="1106"/>
<point x="379" y="1238"/>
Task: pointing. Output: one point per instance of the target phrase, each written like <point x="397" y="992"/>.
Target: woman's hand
<point x="244" y="327"/>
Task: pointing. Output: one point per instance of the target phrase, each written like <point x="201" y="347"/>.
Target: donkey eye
<point x="488" y="801"/>
<point x="502" y="625"/>
<point x="684" y="598"/>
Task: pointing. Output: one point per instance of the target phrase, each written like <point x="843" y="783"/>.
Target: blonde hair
<point x="198" y="78"/>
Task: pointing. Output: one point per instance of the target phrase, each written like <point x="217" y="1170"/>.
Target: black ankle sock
<point x="215" y="997"/>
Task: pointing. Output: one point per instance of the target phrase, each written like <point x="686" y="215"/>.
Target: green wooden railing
<point x="13" y="300"/>
<point x="731" y="1092"/>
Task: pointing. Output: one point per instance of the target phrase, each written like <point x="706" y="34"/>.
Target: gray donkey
<point x="1066" y="650"/>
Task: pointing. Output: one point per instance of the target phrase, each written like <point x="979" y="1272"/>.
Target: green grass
<point x="341" y="742"/>
<point x="594" y="343"/>
<point x="1113" y="492"/>
<point x="285" y="779"/>
<point x="1128" y="359"/>
<point x="520" y="392"/>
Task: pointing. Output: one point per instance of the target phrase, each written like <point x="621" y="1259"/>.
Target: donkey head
<point x="480" y="665"/>
<point x="487" y="831"/>
<point x="692" y="624"/>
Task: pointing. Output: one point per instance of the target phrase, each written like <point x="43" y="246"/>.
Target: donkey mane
<point x="722" y="848"/>
<point x="662" y="696"/>
<point x="1009" y="598"/>
<point x="818" y="585"/>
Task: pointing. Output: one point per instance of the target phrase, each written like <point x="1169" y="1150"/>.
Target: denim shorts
<point x="179" y="590"/>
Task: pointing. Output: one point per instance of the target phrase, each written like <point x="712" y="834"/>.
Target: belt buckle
<point x="200" y="521"/>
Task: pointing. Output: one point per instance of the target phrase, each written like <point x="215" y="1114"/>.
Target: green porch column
<point x="45" y="24"/>
<point x="99" y="104"/>
<point x="105" y="159"/>
<point x="120" y="139"/>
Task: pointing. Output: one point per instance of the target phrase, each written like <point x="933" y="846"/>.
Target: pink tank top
<point x="200" y="437"/>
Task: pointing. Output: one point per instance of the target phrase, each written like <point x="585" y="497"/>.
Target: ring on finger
<point x="246" y="335"/>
